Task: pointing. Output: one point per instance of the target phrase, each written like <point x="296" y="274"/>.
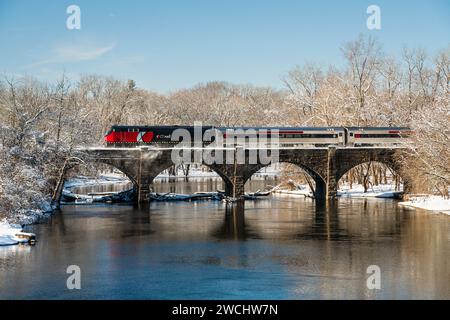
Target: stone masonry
<point x="325" y="165"/>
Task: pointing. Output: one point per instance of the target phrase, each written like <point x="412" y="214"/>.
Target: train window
<point x="351" y="134"/>
<point x="379" y="135"/>
<point x="318" y="135"/>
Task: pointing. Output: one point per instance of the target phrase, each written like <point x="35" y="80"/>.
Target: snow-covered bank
<point x="7" y="233"/>
<point x="68" y="196"/>
<point x="109" y="178"/>
<point x="379" y="191"/>
<point x="301" y="190"/>
<point x="435" y="204"/>
<point x="192" y="174"/>
<point x="357" y="191"/>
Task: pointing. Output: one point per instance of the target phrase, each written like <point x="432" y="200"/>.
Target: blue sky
<point x="172" y="44"/>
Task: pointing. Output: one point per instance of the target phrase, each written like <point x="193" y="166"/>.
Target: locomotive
<point x="163" y="136"/>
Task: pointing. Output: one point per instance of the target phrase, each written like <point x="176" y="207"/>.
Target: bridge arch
<point x="221" y="172"/>
<point x="72" y="165"/>
<point x="130" y="174"/>
<point x="389" y="163"/>
<point x="320" y="184"/>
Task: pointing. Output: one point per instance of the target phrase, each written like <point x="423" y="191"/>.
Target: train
<point x="163" y="136"/>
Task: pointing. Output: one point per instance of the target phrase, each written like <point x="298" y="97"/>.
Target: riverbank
<point x="356" y="191"/>
<point x="7" y="233"/>
<point x="379" y="191"/>
<point x="110" y="178"/>
<point x="429" y="202"/>
<point x="435" y="204"/>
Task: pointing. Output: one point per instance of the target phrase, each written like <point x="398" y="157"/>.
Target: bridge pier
<point x="332" y="178"/>
<point x="321" y="189"/>
<point x="238" y="190"/>
<point x="143" y="191"/>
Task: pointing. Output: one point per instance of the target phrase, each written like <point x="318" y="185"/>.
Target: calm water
<point x="278" y="248"/>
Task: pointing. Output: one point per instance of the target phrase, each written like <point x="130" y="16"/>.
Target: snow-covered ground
<point x="7" y="232"/>
<point x="202" y="173"/>
<point x="432" y="203"/>
<point x="302" y="190"/>
<point x="193" y="173"/>
<point x="109" y="178"/>
<point x="357" y="191"/>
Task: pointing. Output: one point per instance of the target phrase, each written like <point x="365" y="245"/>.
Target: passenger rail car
<point x="287" y="136"/>
<point x="133" y="136"/>
<point x="373" y="136"/>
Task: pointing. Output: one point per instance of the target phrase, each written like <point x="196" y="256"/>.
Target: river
<point x="281" y="247"/>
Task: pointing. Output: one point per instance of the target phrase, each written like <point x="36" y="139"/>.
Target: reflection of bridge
<point x="325" y="165"/>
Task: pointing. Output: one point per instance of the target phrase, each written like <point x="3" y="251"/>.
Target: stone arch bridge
<point x="325" y="165"/>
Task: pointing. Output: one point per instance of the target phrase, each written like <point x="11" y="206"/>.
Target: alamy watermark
<point x="374" y="20"/>
<point x="74" y="280"/>
<point x="226" y="146"/>
<point x="73" y="21"/>
<point x="373" y="281"/>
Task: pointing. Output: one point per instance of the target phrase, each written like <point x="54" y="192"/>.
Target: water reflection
<point x="280" y="247"/>
<point x="233" y="226"/>
<point x="329" y="224"/>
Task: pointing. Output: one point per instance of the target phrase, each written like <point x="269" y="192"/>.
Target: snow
<point x="357" y="191"/>
<point x="304" y="192"/>
<point x="294" y="189"/>
<point x="110" y="178"/>
<point x="193" y="173"/>
<point x="7" y="233"/>
<point x="435" y="204"/>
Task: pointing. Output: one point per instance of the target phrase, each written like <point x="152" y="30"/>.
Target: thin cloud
<point x="74" y="53"/>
